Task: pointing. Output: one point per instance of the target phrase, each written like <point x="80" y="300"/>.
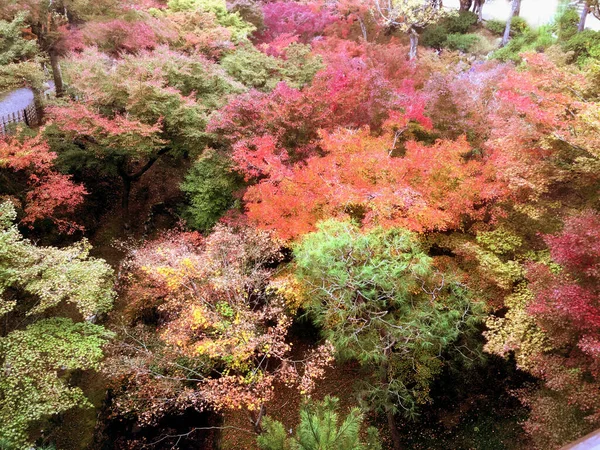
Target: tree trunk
<point x="516" y="4"/>
<point x="414" y="41"/>
<point x="465" y="5"/>
<point x="125" y="200"/>
<point x="396" y="439"/>
<point x="479" y="10"/>
<point x="56" y="73"/>
<point x="257" y="419"/>
<point x="584" y="13"/>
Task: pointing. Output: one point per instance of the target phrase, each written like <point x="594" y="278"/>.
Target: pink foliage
<point x="119" y="36"/>
<point x="292" y="18"/>
<point x="51" y="195"/>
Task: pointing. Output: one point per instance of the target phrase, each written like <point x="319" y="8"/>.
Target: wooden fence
<point x="28" y="116"/>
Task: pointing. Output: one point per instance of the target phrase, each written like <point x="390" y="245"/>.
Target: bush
<point x="532" y="40"/>
<point x="496" y="27"/>
<point x="460" y="23"/>
<point x="566" y="23"/>
<point x="518" y="26"/>
<point x="462" y="42"/>
<point x="584" y="45"/>
<point x="435" y="36"/>
<point x="438" y="35"/>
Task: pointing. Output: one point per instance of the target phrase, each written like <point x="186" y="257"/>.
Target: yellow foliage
<point x="517" y="332"/>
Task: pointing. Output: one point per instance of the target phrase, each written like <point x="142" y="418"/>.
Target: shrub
<point x="435" y="36"/>
<point x="496" y="26"/>
<point x="460" y="23"/>
<point x="462" y="42"/>
<point x="532" y="40"/>
<point x="565" y="24"/>
<point x="518" y="26"/>
<point x="584" y="45"/>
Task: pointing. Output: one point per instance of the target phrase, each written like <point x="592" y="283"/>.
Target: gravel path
<point x="14" y="101"/>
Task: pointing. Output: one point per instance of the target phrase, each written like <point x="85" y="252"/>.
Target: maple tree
<point x="128" y="147"/>
<point x="222" y="339"/>
<point x="419" y="187"/>
<point x="38" y="352"/>
<point x="48" y="193"/>
<point x="408" y="16"/>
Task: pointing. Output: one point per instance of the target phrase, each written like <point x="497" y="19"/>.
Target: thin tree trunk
<point x="56" y="73"/>
<point x="125" y="200"/>
<point x="465" y="5"/>
<point x="480" y="4"/>
<point x="396" y="439"/>
<point x="584" y="13"/>
<point x="513" y="12"/>
<point x="257" y="420"/>
<point x="129" y="179"/>
<point x="414" y="42"/>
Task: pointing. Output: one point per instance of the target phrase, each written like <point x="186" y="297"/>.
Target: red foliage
<point x="351" y="92"/>
<point x="429" y="188"/>
<point x="118" y="36"/>
<point x="566" y="306"/>
<point x="119" y="133"/>
<point x="305" y="20"/>
<point x="51" y="195"/>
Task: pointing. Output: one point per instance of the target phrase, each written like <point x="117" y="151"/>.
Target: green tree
<point x="319" y="429"/>
<point x="37" y="352"/>
<point x="380" y="301"/>
<point x="210" y="186"/>
<point x="13" y="47"/>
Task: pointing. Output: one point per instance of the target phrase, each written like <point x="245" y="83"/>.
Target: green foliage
<point x="36" y="363"/>
<point x="460" y="23"/>
<point x="51" y="274"/>
<point x="319" y="429"/>
<point x="518" y="26"/>
<point x="251" y="67"/>
<point x="496" y="26"/>
<point x="535" y="40"/>
<point x="36" y="360"/>
<point x="373" y="291"/>
<point x="13" y="48"/>
<point x="462" y="42"/>
<point x="28" y="73"/>
<point x="585" y="46"/>
<point x="566" y="24"/>
<point x="238" y="26"/>
<point x="210" y="187"/>
<point x="447" y="32"/>
<point x="434" y="36"/>
<point x="255" y="69"/>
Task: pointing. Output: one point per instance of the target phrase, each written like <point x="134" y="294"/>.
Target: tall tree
<point x="380" y="300"/>
<point x="38" y="351"/>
